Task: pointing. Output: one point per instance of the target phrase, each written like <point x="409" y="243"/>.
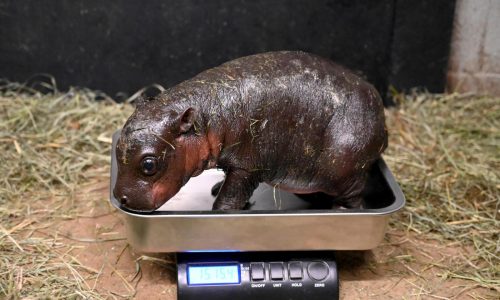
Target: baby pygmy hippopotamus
<point x="294" y="120"/>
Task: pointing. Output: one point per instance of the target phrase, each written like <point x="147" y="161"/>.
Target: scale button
<point x="318" y="270"/>
<point x="276" y="270"/>
<point x="257" y="271"/>
<point x="295" y="270"/>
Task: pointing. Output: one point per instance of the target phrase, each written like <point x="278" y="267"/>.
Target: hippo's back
<point x="292" y="78"/>
<point x="272" y="65"/>
<point x="294" y="103"/>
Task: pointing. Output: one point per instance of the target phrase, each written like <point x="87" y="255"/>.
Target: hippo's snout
<point x="133" y="203"/>
<point x="120" y="196"/>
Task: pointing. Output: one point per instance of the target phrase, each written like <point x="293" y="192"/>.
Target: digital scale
<point x="280" y="248"/>
<point x="257" y="275"/>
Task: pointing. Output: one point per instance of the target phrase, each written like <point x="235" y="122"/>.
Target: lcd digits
<point x="213" y="274"/>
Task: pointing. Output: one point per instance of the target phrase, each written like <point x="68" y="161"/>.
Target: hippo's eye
<point x="149" y="165"/>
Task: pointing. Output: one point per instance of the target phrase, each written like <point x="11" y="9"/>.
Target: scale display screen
<point x="213" y="274"/>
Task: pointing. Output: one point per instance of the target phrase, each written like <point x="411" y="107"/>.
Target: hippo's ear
<point x="186" y="120"/>
<point x="140" y="101"/>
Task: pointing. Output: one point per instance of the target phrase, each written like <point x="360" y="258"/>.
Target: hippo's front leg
<point x="237" y="188"/>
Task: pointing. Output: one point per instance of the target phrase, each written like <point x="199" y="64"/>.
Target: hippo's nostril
<point x="123" y="200"/>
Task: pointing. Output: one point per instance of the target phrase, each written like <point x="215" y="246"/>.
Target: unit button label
<point x="277" y="285"/>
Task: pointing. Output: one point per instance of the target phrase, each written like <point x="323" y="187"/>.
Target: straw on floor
<point x="444" y="151"/>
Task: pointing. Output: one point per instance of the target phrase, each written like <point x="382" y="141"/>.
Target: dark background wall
<point x="121" y="46"/>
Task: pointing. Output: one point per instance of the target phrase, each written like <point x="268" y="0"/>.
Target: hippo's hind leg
<point x="345" y="174"/>
<point x="236" y="190"/>
<point x="348" y="191"/>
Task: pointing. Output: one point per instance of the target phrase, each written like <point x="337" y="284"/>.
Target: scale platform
<point x="276" y="220"/>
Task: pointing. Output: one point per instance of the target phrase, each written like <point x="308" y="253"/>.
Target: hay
<point x="48" y="145"/>
<point x="444" y="151"/>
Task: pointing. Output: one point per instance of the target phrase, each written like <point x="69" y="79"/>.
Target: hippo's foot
<point x="235" y="191"/>
<point x="349" y="203"/>
<point x="216" y="188"/>
<point x="348" y="192"/>
<point x="233" y="204"/>
<point x="248" y="205"/>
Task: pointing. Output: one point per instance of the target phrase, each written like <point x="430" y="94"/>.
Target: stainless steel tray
<point x="277" y="220"/>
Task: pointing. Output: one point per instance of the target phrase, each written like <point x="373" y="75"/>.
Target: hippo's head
<point x="158" y="151"/>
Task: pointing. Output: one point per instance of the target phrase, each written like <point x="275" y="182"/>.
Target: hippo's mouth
<point x="137" y="210"/>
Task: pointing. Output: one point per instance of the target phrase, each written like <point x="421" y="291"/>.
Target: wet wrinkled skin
<point x="294" y="120"/>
